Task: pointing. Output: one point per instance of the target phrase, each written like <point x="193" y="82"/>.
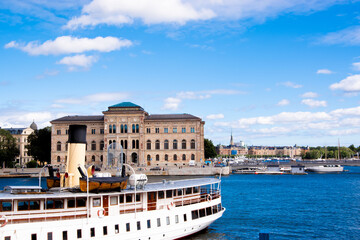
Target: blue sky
<point x="274" y="72"/>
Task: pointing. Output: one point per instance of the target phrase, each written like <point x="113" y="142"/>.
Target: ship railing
<point x="196" y="198"/>
<point x="131" y="207"/>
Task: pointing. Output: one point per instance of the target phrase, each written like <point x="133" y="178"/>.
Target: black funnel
<point x="77" y="134"/>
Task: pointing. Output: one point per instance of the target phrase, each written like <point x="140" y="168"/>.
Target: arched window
<point x="183" y="144"/>
<point x="175" y="157"/>
<point x="192" y="144"/>
<point x="148" y="144"/>
<point x="137" y="128"/>
<point x="133" y="128"/>
<point x="122" y="143"/>
<point x="114" y="144"/>
<point x="58" y="159"/>
<point x="101" y="158"/>
<point x="110" y="128"/>
<point x="148" y="157"/>
<point x="66" y="146"/>
<point x="175" y="144"/>
<point x="93" y="146"/>
<point x="184" y="157"/>
<point x="93" y="158"/>
<point x="133" y="144"/>
<point x="166" y="144"/>
<point x="101" y="145"/>
<point x="110" y="142"/>
<point x="58" y="146"/>
<point x="157" y="157"/>
<point x="114" y="128"/>
<point x="192" y="156"/>
<point x="166" y="157"/>
<point x="137" y="144"/>
<point x="125" y="128"/>
<point x="157" y="144"/>
<point x="122" y="128"/>
<point x="125" y="143"/>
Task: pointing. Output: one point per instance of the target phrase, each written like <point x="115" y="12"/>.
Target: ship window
<point x="176" y="218"/>
<point x="161" y="194"/>
<point x="35" y="205"/>
<point x="65" y="235"/>
<point x="92" y="232"/>
<point x="195" y="214"/>
<point x="219" y="207"/>
<point x="208" y="211"/>
<point x="174" y="192"/>
<point x="79" y="234"/>
<point x="113" y="200"/>
<point x="138" y="225"/>
<point x="179" y="192"/>
<point x="168" y="220"/>
<point x="49" y="236"/>
<point x="158" y="222"/>
<point x="121" y="198"/>
<point x="105" y="230"/>
<point x="128" y="227"/>
<point x="71" y="203"/>
<point x="214" y="209"/>
<point x="195" y="189"/>
<point x="9" y="238"/>
<point x="116" y="228"/>
<point x="188" y="191"/>
<point x="202" y="212"/>
<point x="58" y="204"/>
<point x="128" y="198"/>
<point x="96" y="202"/>
<point x="168" y="193"/>
<point x="6" y="207"/>
<point x="81" y="202"/>
<point x="148" y="223"/>
<point x="33" y="236"/>
<point x="138" y="197"/>
<point x="185" y="217"/>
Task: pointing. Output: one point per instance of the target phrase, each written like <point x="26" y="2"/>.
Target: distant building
<point x="232" y="149"/>
<point x="290" y="151"/>
<point x="21" y="136"/>
<point x="147" y="139"/>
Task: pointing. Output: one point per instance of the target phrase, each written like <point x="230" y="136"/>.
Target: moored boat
<point x="326" y="169"/>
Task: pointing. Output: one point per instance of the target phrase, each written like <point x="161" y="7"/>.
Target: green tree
<point x="8" y="149"/>
<point x="352" y="148"/>
<point x="40" y="145"/>
<point x="210" y="151"/>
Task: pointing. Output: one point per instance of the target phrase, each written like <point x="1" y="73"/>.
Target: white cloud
<point x="348" y="36"/>
<point x="355" y="111"/>
<point x="95" y="98"/>
<point x="291" y="84"/>
<point x="193" y="95"/>
<point x="314" y="103"/>
<point x="324" y="71"/>
<point x="215" y="116"/>
<point x="48" y="73"/>
<point x="119" y="12"/>
<point x="78" y="61"/>
<point x="171" y="103"/>
<point x="356" y="66"/>
<point x="69" y="45"/>
<point x="349" y="84"/>
<point x="283" y="102"/>
<point x="24" y="119"/>
<point x="309" y="95"/>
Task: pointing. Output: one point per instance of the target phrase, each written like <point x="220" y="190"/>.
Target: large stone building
<point x="147" y="140"/>
<point x="21" y="136"/>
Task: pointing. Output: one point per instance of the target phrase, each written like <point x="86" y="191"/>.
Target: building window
<point x="101" y="145"/>
<point x="137" y="128"/>
<point x="133" y="144"/>
<point x="148" y="144"/>
<point x="192" y="129"/>
<point x="166" y="157"/>
<point x="192" y="156"/>
<point x="93" y="158"/>
<point x="192" y="144"/>
<point x="148" y="157"/>
<point x="137" y="144"/>
<point x="157" y="144"/>
<point x="157" y="130"/>
<point x="166" y="144"/>
<point x="166" y="130"/>
<point x="183" y="130"/>
<point x="66" y="131"/>
<point x="102" y="131"/>
<point x="58" y="132"/>
<point x="110" y="129"/>
<point x="174" y="130"/>
<point x="114" y="128"/>
<point x="183" y="144"/>
<point x="92" y="131"/>
<point x="133" y="128"/>
<point x="121" y="128"/>
<point x="101" y="158"/>
<point x="157" y="157"/>
<point x="92" y="232"/>
<point x="148" y="130"/>
<point x="79" y="233"/>
<point x="125" y="144"/>
<point x="175" y="144"/>
<point x="93" y="146"/>
<point x="184" y="157"/>
<point x="175" y="157"/>
<point x="58" y="146"/>
<point x="125" y="128"/>
<point x="58" y="159"/>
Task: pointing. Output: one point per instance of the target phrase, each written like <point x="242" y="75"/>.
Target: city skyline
<point x="272" y="72"/>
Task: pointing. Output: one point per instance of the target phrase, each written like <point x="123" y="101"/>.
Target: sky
<point x="271" y="72"/>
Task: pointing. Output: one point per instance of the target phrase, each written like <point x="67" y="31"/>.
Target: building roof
<point x="15" y="131"/>
<point x="126" y="105"/>
<point x="80" y="118"/>
<point x="33" y="126"/>
<point x="171" y="117"/>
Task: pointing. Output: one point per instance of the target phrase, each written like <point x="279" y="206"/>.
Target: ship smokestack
<point x="76" y="154"/>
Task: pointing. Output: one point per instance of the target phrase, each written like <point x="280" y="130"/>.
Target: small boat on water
<point x="326" y="169"/>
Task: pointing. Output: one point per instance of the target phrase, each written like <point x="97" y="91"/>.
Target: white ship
<point x="326" y="169"/>
<point x="165" y="210"/>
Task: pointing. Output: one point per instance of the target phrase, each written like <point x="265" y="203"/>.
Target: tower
<point x="231" y="139"/>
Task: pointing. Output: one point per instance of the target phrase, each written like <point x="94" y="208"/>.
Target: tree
<point x="40" y="145"/>
<point x="210" y="151"/>
<point x="352" y="148"/>
<point x="8" y="149"/>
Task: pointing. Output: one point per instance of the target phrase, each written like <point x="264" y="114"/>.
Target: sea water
<point x="313" y="206"/>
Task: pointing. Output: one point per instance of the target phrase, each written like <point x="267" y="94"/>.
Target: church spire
<point x="231" y="139"/>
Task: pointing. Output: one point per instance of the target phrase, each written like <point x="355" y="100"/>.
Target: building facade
<point x="147" y="140"/>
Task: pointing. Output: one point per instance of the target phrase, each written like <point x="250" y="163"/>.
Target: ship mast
<point x="339" y="149"/>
